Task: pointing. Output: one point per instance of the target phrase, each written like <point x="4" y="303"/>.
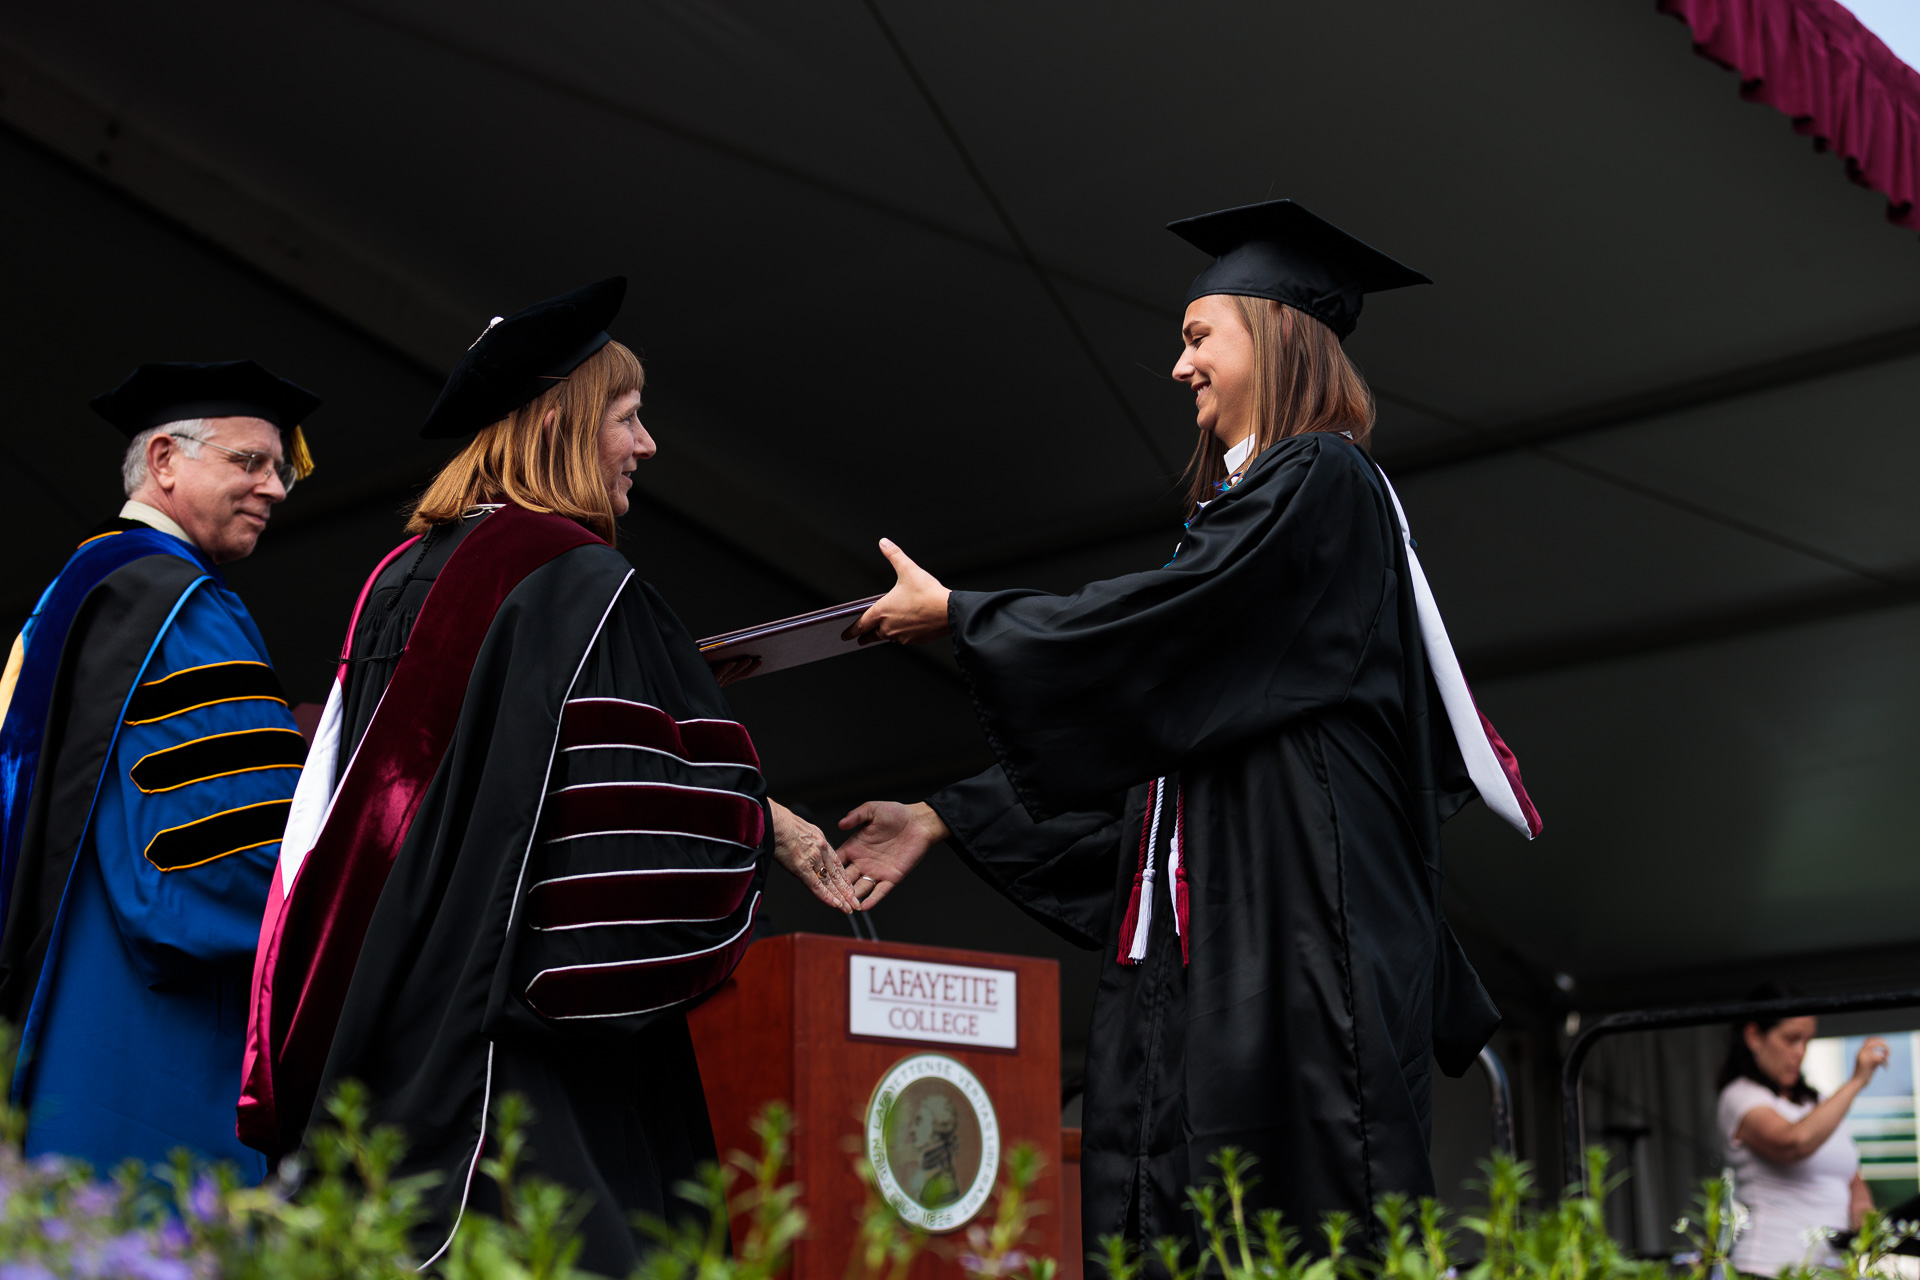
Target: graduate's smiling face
<point x="624" y="445"/>
<point x="1218" y="363"/>
<point x="222" y="508"/>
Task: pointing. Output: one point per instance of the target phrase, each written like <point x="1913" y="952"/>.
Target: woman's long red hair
<point x="552" y="467"/>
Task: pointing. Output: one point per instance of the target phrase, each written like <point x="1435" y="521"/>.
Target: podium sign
<point x="896" y="998"/>
<point x="933" y="1063"/>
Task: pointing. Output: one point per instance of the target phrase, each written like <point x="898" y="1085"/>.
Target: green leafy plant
<point x="534" y="1238"/>
<point x="341" y="1211"/>
<point x="997" y="1248"/>
<point x="1710" y="1229"/>
<point x="1260" y="1246"/>
<point x="1876" y="1239"/>
<point x="690" y="1249"/>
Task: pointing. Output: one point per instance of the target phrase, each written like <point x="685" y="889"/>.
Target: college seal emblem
<point x="934" y="1141"/>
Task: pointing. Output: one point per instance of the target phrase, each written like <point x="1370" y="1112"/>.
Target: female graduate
<point x="1229" y="775"/>
<point x="529" y="832"/>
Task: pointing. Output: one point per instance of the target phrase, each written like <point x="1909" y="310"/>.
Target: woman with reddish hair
<point x="1229" y="774"/>
<point x="529" y="832"/>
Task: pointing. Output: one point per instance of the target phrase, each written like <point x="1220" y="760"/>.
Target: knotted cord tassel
<point x="1180" y="870"/>
<point x="1127" y="926"/>
<point x="1141" y="899"/>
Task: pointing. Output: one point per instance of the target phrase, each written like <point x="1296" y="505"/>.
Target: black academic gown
<point x="1273" y="673"/>
<point x="437" y="1022"/>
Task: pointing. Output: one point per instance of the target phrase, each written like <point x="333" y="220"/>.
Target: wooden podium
<point x="955" y="1045"/>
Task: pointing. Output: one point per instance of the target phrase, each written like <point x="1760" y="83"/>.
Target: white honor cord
<point x="1173" y="866"/>
<point x="1138" y="951"/>
<point x="1489" y="778"/>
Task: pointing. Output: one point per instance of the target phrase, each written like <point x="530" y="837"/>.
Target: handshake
<point x="888" y="839"/>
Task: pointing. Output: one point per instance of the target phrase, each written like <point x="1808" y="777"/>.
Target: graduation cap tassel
<point x="298" y="455"/>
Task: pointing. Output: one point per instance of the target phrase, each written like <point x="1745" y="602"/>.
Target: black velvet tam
<point x="1278" y="250"/>
<point x="519" y="357"/>
<point x="175" y="391"/>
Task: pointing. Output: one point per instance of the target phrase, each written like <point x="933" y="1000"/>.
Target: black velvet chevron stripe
<point x="218" y="835"/>
<point x="218" y="756"/>
<point x="202" y="686"/>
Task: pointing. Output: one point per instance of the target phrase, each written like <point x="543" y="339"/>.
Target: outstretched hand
<point x="891" y="838"/>
<point x="914" y="612"/>
<point x="802" y="849"/>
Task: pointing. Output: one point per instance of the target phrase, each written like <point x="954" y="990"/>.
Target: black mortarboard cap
<point x="176" y="391"/>
<point x="1278" y="250"/>
<point x="521" y="356"/>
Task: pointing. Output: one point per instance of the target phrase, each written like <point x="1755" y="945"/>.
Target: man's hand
<point x="890" y="840"/>
<point x="914" y="612"/>
<point x="802" y="849"/>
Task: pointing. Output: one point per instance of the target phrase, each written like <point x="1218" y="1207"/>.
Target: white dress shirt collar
<point x="158" y="519"/>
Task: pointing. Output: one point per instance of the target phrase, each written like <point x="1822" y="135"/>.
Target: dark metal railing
<point x="1502" y="1104"/>
<point x="1573" y="1127"/>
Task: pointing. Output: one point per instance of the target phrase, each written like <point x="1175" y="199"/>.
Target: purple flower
<point x="160" y="1269"/>
<point x="132" y="1257"/>
<point x="56" y="1230"/>
<point x="174" y="1236"/>
<point x="24" y="1271"/>
<point x="94" y="1200"/>
<point x="203" y="1202"/>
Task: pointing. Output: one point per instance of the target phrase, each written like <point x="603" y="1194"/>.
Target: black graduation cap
<point x="521" y="356"/>
<point x="1278" y="250"/>
<point x="175" y="391"/>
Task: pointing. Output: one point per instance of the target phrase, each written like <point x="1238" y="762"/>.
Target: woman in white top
<point x="1794" y="1167"/>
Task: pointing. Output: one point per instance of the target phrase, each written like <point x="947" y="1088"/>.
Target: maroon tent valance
<point x="1839" y="82"/>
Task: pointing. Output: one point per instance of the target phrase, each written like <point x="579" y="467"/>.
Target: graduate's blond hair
<point x="1302" y="381"/>
<point x="551" y="467"/>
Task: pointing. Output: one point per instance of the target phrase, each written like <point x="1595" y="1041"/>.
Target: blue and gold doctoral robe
<point x="147" y="762"/>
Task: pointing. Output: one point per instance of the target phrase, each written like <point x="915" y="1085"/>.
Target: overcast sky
<point x="1895" y="21"/>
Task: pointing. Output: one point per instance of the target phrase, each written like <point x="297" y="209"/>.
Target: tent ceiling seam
<point x="1025" y="250"/>
<point x="1589" y="647"/>
<point x="732" y="151"/>
<point x="1730" y="384"/>
<point x="1698" y="510"/>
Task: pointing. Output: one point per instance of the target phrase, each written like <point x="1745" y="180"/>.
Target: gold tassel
<point x="297" y="455"/>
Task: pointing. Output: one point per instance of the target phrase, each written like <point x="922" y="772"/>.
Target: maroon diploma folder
<point x="790" y="642"/>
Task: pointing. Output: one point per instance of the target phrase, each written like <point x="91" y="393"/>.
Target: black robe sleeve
<point x="1061" y="871"/>
<point x="660" y="873"/>
<point x="1464" y="1015"/>
<point x="1263" y="617"/>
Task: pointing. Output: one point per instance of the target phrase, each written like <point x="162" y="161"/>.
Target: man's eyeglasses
<point x="250" y="462"/>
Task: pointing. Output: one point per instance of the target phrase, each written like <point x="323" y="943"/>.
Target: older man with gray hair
<point x="147" y="762"/>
